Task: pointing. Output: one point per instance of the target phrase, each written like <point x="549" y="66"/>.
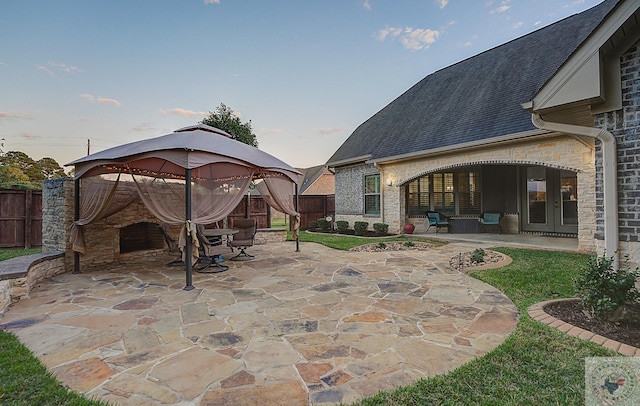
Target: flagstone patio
<point x="320" y="326"/>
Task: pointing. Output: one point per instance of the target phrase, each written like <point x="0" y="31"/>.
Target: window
<point x="418" y="197"/>
<point x="372" y="194"/>
<point x="468" y="192"/>
<point x="449" y="193"/>
<point x="443" y="193"/>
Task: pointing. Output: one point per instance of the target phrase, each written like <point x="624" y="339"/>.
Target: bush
<point x="360" y="227"/>
<point x="409" y="244"/>
<point x="603" y="291"/>
<point x="382" y="245"/>
<point x="477" y="256"/>
<point x="380" y="229"/>
<point x="313" y="225"/>
<point x="324" y="225"/>
<point x="342" y="226"/>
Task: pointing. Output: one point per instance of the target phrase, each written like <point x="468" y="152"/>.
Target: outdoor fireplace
<point x="140" y="236"/>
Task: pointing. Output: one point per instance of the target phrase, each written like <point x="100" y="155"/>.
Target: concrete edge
<point x="537" y="312"/>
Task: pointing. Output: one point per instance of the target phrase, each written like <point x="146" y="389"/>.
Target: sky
<point x="86" y="75"/>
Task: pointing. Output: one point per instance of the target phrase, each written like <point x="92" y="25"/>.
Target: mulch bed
<point x="393" y="246"/>
<point x="627" y="331"/>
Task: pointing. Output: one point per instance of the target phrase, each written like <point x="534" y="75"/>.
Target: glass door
<point x="550" y="200"/>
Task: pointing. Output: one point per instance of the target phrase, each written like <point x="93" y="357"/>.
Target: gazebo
<point x="195" y="175"/>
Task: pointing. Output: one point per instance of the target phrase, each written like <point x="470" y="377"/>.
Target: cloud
<point x="414" y="39"/>
<point x="65" y="68"/>
<point x="29" y="136"/>
<point x="58" y="67"/>
<point x="184" y="113"/>
<point x="46" y="70"/>
<point x="366" y="5"/>
<point x="144" y="127"/>
<point x="211" y="1"/>
<point x="537" y="23"/>
<point x="7" y="115"/>
<point x="331" y="131"/>
<point x="417" y="39"/>
<point x="504" y="6"/>
<point x="443" y="3"/>
<point x="518" y="24"/>
<point x="104" y="100"/>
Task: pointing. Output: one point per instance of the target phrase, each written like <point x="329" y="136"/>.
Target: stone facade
<point x="624" y="124"/>
<point x="559" y="151"/>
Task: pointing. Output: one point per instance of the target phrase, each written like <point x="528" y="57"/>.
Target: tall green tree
<point x="19" y="170"/>
<point x="227" y="120"/>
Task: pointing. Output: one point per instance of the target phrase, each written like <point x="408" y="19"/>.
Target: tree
<point x="225" y="119"/>
<point x="18" y="170"/>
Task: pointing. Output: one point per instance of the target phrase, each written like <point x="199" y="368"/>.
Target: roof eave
<point x="348" y="161"/>
<point x="458" y="147"/>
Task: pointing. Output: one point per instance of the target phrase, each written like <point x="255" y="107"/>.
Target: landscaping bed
<point x="626" y="331"/>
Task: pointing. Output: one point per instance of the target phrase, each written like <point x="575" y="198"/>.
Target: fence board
<point x="20" y="218"/>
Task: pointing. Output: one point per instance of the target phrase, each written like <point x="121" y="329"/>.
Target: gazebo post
<point x="188" y="248"/>
<point x="76" y="217"/>
<point x="297" y="236"/>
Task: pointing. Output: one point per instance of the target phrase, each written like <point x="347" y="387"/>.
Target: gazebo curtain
<point x="216" y="190"/>
<point x="277" y="191"/>
<point x="99" y="199"/>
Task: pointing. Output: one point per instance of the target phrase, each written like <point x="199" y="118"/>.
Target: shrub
<point x="360" y="227"/>
<point x="313" y="225"/>
<point x="324" y="225"/>
<point x="409" y="244"/>
<point x="477" y="256"/>
<point x="380" y="228"/>
<point x="603" y="291"/>
<point x="382" y="245"/>
<point x="342" y="226"/>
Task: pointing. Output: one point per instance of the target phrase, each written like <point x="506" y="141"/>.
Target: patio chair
<point x="491" y="220"/>
<point x="210" y="252"/>
<point x="437" y="221"/>
<point x="244" y="238"/>
<point x="171" y="242"/>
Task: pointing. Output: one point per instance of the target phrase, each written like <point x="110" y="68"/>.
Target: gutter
<point x="609" y="175"/>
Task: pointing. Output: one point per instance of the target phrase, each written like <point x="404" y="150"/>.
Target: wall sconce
<point x="389" y="181"/>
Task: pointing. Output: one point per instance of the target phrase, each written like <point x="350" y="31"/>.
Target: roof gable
<point x="476" y="99"/>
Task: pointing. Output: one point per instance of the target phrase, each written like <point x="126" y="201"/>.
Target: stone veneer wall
<point x="102" y="238"/>
<point x="624" y="124"/>
<point x="561" y="152"/>
<point x="349" y="184"/>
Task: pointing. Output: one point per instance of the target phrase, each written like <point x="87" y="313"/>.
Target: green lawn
<point x="17" y="252"/>
<point x="536" y="365"/>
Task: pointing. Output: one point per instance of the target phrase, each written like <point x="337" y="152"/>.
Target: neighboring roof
<point x="475" y="99"/>
<point x="310" y="175"/>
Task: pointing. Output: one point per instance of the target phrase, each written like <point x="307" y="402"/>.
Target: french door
<point x="549" y="200"/>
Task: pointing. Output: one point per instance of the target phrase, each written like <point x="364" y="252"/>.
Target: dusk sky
<point x="305" y="72"/>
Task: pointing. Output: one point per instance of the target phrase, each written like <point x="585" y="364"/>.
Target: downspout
<point x="609" y="176"/>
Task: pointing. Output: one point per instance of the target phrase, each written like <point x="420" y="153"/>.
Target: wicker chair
<point x="244" y="238"/>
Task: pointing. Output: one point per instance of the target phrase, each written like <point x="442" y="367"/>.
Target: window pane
<point x="372" y="194"/>
<point x="372" y="204"/>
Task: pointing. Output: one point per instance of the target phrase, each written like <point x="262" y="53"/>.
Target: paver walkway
<point x="316" y="327"/>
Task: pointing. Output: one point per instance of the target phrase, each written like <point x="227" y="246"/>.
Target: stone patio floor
<point x="320" y="326"/>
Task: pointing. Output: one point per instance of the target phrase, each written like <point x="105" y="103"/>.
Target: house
<point x="317" y="180"/>
<point x="544" y="129"/>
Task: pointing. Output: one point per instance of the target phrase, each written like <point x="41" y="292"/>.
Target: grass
<point x="346" y="242"/>
<point x="536" y="365"/>
<point x="17" y="252"/>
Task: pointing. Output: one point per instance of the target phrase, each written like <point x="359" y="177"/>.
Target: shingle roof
<point x="476" y="99"/>
<point x="310" y="176"/>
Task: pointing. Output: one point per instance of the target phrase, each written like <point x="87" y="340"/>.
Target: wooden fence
<point x="20" y="218"/>
<point x="311" y="207"/>
<point x="21" y="215"/>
